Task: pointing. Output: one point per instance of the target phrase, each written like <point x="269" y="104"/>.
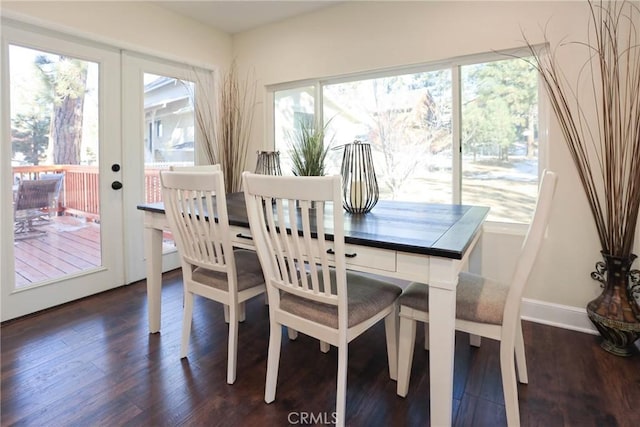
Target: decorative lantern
<point x="268" y="163"/>
<point x="359" y="184"/>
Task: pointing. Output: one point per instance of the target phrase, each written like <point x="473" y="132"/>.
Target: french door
<point x="161" y="129"/>
<point x="61" y="121"/>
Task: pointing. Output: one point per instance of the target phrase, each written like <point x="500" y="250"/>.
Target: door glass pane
<point x="291" y="107"/>
<point x="499" y="136"/>
<point x="407" y="121"/>
<point x="169" y="132"/>
<point x="54" y="137"/>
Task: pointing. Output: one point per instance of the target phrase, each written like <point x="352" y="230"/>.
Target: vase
<point x="615" y="312"/>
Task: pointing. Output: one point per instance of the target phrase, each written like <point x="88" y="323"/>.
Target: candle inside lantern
<point x="357" y="198"/>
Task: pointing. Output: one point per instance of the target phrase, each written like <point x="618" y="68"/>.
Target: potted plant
<point x="601" y="126"/>
<point x="308" y="150"/>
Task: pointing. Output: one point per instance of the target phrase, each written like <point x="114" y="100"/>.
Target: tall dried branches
<point x="606" y="151"/>
<point x="236" y="107"/>
<point x="224" y="116"/>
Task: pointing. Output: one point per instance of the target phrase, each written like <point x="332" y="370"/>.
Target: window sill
<point x="505" y="228"/>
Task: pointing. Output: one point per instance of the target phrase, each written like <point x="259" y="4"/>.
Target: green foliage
<point x="308" y="150"/>
<point x="499" y="104"/>
<point x="30" y="136"/>
<point x="65" y="77"/>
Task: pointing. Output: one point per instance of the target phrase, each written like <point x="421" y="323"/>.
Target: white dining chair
<point x="484" y="308"/>
<point x="211" y="266"/>
<point x="308" y="285"/>
<point x="210" y="168"/>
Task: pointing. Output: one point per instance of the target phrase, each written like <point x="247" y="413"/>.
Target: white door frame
<point x="110" y="274"/>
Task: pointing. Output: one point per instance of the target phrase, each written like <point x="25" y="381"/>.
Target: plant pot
<point x="616" y="313"/>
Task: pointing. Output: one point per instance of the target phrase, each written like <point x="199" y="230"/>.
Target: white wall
<point x="134" y="25"/>
<point x="359" y="36"/>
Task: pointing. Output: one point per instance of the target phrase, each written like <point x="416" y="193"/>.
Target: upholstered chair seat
<point x="247" y="267"/>
<point x="366" y="297"/>
<point x="477" y="300"/>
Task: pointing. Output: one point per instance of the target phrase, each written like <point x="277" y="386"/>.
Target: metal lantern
<point x="359" y="184"/>
<point x="268" y="163"/>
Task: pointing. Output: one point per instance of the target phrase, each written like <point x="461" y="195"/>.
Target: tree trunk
<point x="66" y="126"/>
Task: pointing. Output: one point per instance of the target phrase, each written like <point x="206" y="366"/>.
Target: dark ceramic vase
<point x="615" y="312"/>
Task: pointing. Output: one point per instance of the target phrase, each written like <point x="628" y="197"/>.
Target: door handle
<point x="116" y="185"/>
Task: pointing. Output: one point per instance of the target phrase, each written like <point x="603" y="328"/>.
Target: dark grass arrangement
<point x="606" y="151"/>
<point x="225" y="118"/>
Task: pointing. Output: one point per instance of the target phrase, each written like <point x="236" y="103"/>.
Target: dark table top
<point x="420" y="228"/>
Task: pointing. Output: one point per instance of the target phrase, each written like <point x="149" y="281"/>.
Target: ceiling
<point x="239" y="15"/>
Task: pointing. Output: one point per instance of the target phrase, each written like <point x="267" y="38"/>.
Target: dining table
<point x="412" y="241"/>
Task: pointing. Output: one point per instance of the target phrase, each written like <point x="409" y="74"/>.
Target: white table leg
<point x="153" y="255"/>
<point x="442" y="304"/>
<point x="442" y="315"/>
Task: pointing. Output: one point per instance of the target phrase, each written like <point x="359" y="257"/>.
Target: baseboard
<point x="561" y="316"/>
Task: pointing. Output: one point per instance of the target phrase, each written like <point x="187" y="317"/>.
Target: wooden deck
<point x="67" y="246"/>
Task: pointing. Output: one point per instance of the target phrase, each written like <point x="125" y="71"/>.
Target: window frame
<point x="454" y="65"/>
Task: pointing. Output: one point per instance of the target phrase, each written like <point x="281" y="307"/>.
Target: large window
<point x="464" y="133"/>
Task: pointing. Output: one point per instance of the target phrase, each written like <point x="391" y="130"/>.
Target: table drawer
<point x="370" y="258"/>
<point x="241" y="237"/>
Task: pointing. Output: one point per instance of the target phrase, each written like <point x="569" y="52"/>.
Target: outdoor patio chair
<point x="35" y="200"/>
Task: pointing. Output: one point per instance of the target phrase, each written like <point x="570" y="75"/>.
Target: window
<point x="291" y="106"/>
<point x="463" y="133"/>
<point x="499" y="138"/>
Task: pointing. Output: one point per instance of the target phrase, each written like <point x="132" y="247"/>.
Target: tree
<point x="406" y="119"/>
<point x="500" y="103"/>
<point x="30" y="136"/>
<point x="66" y="80"/>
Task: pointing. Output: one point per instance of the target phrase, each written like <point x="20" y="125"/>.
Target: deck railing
<point x="80" y="188"/>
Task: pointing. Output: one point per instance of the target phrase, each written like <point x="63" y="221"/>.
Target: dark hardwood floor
<point x="93" y="363"/>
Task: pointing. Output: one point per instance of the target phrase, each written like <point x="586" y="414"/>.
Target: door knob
<point x="115" y="167"/>
<point x="116" y="185"/>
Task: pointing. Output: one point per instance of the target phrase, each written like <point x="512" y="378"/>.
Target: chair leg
<point x="273" y="360"/>
<point x="292" y="333"/>
<point x="325" y="346"/>
<point x="475" y="340"/>
<point x="242" y="312"/>
<point x="521" y="361"/>
<point x="426" y="336"/>
<point x="341" y="394"/>
<point x="226" y="313"/>
<point x="187" y="313"/>
<point x="406" y="345"/>
<point x="509" y="384"/>
<point x="232" y="355"/>
<point x="391" y="332"/>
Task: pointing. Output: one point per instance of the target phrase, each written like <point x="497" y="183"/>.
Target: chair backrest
<point x="192" y="200"/>
<point x="57" y="177"/>
<point x="196" y="168"/>
<point x="36" y="194"/>
<point x="531" y="246"/>
<point x="299" y="260"/>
